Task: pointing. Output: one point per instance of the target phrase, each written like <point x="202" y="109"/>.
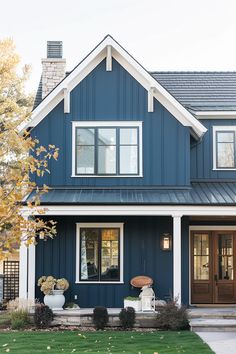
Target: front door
<point x="213" y="263"/>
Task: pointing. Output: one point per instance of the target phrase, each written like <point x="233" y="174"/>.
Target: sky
<point x="160" y="34"/>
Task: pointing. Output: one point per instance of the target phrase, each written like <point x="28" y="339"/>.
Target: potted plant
<point x="53" y="290"/>
<point x="132" y="301"/>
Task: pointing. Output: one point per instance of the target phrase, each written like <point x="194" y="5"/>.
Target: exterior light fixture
<point x="166" y="242"/>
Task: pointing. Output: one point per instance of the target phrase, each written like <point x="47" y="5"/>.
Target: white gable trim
<point x="133" y="67"/>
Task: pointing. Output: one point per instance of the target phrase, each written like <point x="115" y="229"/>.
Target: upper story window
<point x="224" y="140"/>
<point x="107" y="149"/>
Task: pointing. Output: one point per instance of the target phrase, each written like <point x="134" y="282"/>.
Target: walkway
<point x="220" y="342"/>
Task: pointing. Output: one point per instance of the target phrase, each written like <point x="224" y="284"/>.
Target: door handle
<point x="215" y="278"/>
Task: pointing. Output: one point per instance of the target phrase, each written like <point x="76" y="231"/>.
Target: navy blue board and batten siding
<point x="142" y="256"/>
<point x="117" y="96"/>
<point x="202" y="154"/>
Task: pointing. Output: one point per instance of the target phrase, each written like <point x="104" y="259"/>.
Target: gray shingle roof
<point x="196" y="91"/>
<point x="201" y="193"/>
<point x="201" y="91"/>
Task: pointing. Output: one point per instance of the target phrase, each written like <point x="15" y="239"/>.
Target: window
<point x="224" y="147"/>
<point x="99" y="252"/>
<point x="107" y="149"/>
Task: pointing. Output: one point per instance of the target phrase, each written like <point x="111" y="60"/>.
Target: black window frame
<point x="216" y="148"/>
<point x="117" y="145"/>
<point x="100" y="255"/>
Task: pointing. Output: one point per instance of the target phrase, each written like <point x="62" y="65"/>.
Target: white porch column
<point x="31" y="273"/>
<point x="23" y="272"/>
<point x="177" y="258"/>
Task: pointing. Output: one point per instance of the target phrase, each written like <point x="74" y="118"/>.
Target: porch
<point x="139" y="248"/>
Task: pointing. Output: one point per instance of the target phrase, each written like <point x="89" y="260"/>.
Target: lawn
<point x="102" y="342"/>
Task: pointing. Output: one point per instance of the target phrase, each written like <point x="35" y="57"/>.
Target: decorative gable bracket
<point x="109" y="58"/>
<point x="66" y="93"/>
<point x="151" y="92"/>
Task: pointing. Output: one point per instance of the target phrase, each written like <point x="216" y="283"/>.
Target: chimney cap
<point x="54" y="49"/>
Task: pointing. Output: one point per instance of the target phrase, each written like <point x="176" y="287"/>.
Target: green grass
<point x="102" y="342"/>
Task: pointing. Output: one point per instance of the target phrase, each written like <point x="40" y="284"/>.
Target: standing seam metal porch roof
<point x="200" y="193"/>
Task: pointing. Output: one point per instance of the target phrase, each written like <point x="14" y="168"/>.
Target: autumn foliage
<point x="20" y="157"/>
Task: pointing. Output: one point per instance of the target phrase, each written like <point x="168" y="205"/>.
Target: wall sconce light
<point x="166" y="242"/>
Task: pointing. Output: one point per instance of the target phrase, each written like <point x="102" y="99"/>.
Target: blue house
<point x="144" y="183"/>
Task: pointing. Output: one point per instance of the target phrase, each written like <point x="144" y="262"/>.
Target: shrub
<point x="19" y="319"/>
<point x="172" y="317"/>
<point x="100" y="317"/>
<point x="43" y="316"/>
<point x="127" y="317"/>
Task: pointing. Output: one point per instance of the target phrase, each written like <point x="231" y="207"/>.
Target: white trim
<point x="177" y="259"/>
<point x="215" y="114"/>
<point x="121" y="210"/>
<point x="212" y="228"/>
<point x="134" y="68"/>
<point x="151" y="99"/>
<point x="216" y="129"/>
<point x="23" y="277"/>
<point x="31" y="273"/>
<point x="136" y="124"/>
<point x="66" y="101"/>
<point x="100" y="225"/>
<point x="109" y="59"/>
<point x="203" y="228"/>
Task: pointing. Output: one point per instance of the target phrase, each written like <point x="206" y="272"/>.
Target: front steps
<point x="213" y="319"/>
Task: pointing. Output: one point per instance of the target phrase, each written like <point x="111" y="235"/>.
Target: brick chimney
<point x="54" y="67"/>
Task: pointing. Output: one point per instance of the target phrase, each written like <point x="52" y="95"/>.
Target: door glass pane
<point x="110" y="254"/>
<point x="225" y="257"/>
<point x="89" y="254"/>
<point x="201" y="256"/>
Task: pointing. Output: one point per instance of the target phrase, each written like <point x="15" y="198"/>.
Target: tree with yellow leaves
<point x="20" y="156"/>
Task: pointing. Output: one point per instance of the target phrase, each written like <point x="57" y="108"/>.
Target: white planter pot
<point x="55" y="301"/>
<point x="135" y="304"/>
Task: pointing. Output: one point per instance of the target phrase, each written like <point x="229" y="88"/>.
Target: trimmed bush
<point x="19" y="319"/>
<point x="172" y="317"/>
<point x="43" y="316"/>
<point x="127" y="317"/>
<point x="100" y="317"/>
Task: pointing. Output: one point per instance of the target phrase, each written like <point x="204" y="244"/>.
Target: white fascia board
<point x="215" y="114"/>
<point x="133" y="67"/>
<point x="136" y="210"/>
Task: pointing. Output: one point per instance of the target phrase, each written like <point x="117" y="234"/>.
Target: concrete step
<point x="213" y="325"/>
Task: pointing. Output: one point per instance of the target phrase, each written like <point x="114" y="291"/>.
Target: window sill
<point x="99" y="282"/>
<point x="224" y="169"/>
<point x="107" y="176"/>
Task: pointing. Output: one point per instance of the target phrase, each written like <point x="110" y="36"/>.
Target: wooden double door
<point x="213" y="264"/>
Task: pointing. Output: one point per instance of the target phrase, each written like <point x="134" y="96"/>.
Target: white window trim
<point x="214" y="130"/>
<point x="136" y="124"/>
<point x="99" y="225"/>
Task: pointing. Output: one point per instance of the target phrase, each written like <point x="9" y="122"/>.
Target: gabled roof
<point x="201" y="91"/>
<point x="99" y="53"/>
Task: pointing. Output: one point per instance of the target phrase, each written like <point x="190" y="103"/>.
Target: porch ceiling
<point x="201" y="193"/>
